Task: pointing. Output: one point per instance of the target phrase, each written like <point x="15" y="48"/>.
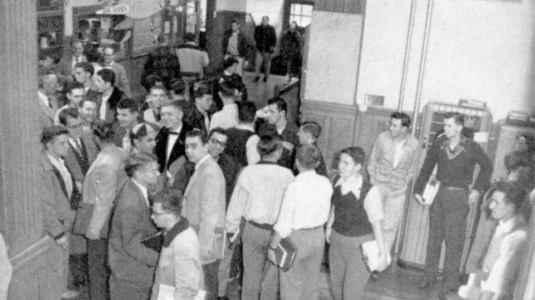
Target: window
<point x="301" y="14"/>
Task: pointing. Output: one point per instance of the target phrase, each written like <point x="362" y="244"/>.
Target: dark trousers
<point x="97" y="261"/>
<point x="125" y="290"/>
<point x="447" y="222"/>
<point x="211" y="271"/>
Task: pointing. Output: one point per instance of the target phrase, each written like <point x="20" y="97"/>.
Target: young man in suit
<point x="170" y="139"/>
<point x="127" y="115"/>
<point x="133" y="264"/>
<point x="66" y="64"/>
<point x="74" y="92"/>
<point x="61" y="197"/>
<point x="48" y="103"/>
<point x="83" y="73"/>
<point x="109" y="96"/>
<point x="204" y="207"/>
<point x="235" y="45"/>
<point x="120" y="72"/>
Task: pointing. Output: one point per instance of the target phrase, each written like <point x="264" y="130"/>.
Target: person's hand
<point x="384" y="262"/>
<point x="93" y="234"/>
<point x="419" y="199"/>
<point x="473" y="197"/>
<point x="271" y="256"/>
<point x="63" y="242"/>
<point x="328" y="232"/>
<point x="79" y="186"/>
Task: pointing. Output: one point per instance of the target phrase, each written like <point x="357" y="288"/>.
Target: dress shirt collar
<point x="144" y="191"/>
<point x="198" y="164"/>
<point x="245" y="127"/>
<point x="179" y="227"/>
<point x="509" y="225"/>
<point x="177" y="131"/>
<point x="355" y="184"/>
<point x="43" y="97"/>
<point x="265" y="162"/>
<point x="227" y="73"/>
<point x="56" y="162"/>
<point x="306" y="175"/>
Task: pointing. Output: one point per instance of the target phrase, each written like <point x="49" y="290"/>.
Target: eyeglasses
<point x="156" y="214"/>
<point x="218" y="143"/>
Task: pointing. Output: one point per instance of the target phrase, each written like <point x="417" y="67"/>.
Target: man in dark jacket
<point x="235" y="44"/>
<point x="291" y="48"/>
<point x="266" y="39"/>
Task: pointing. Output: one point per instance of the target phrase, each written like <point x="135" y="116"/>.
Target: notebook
<point x="285" y="254"/>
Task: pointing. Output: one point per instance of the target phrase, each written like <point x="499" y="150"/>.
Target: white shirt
<point x="65" y="174"/>
<point x="171" y="140"/>
<point x="44" y="98"/>
<point x="104" y="106"/>
<point x="258" y="194"/>
<point x="144" y="191"/>
<point x="250" y="146"/>
<point x="306" y="203"/>
<point x="226" y="118"/>
<point x="398" y="152"/>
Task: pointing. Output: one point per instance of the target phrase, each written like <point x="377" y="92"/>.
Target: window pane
<point x="307" y="10"/>
<point x="292" y="9"/>
<point x="298" y="9"/>
<point x="305" y="21"/>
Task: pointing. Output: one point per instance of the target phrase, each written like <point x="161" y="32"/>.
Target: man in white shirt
<point x="74" y="91"/>
<point x="392" y="164"/>
<point x="304" y="212"/>
<point x="257" y="198"/>
<point x="501" y="262"/>
<point x="192" y="59"/>
<point x="228" y="116"/>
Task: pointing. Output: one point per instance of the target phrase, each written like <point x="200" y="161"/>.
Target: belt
<point x="455" y="188"/>
<point x="234" y="55"/>
<point x="312" y="228"/>
<point x="261" y="225"/>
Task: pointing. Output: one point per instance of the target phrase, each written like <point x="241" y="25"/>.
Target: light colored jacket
<point x="204" y="206"/>
<point x="381" y="162"/>
<point x="100" y="184"/>
<point x="180" y="267"/>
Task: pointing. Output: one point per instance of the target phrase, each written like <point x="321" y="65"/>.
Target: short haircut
<point x="294" y="22"/>
<point x="356" y="153"/>
<point x="405" y="119"/>
<point x="234" y="21"/>
<point x="457" y="117"/>
<point x="74" y="41"/>
<point x="312" y="128"/>
<point x="229" y="61"/>
<point x="226" y="89"/>
<point x="88" y="99"/>
<point x="189" y="36"/>
<point x="308" y="156"/>
<point x="268" y="144"/>
<point x="52" y="131"/>
<point x="219" y="130"/>
<point x="159" y="87"/>
<point x="68" y="113"/>
<point x="178" y="104"/>
<point x="103" y="130"/>
<point x="170" y="199"/>
<point x="93" y="56"/>
<point x="246" y="111"/>
<point x="201" y="88"/>
<point x="107" y="75"/>
<point x="178" y="86"/>
<point x="73" y="85"/>
<point x="87" y="66"/>
<point x="197" y="133"/>
<point x="152" y="80"/>
<point x="43" y="74"/>
<point x="515" y="193"/>
<point x="281" y="104"/>
<point x="128" y="103"/>
<point x="138" y="161"/>
<point x="141" y="130"/>
<point x="109" y="47"/>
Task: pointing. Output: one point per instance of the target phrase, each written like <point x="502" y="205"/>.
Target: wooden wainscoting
<point x="337" y="122"/>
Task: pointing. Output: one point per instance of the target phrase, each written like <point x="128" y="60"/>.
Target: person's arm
<point x="483" y="177"/>
<point x="431" y="160"/>
<point x="236" y="208"/>
<point x="131" y="235"/>
<point x="106" y="184"/>
<point x="413" y="163"/>
<point x="187" y="270"/>
<point x="205" y="61"/>
<point x="374" y="210"/>
<point x="124" y="82"/>
<point x="52" y="225"/>
<point x="252" y="152"/>
<point x="273" y="41"/>
<point x="211" y="189"/>
<point x="372" y="161"/>
<point x="328" y="228"/>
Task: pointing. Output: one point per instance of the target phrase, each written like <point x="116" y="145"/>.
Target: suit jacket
<point x="58" y="208"/>
<point x="47" y="113"/>
<point x="121" y="80"/>
<point x="204" y="206"/>
<point x="196" y="119"/>
<point x="111" y="111"/>
<point x="79" y="163"/>
<point x="65" y="66"/>
<point x="243" y="44"/>
<point x="100" y="186"/>
<point x="129" y="259"/>
<point x="160" y="150"/>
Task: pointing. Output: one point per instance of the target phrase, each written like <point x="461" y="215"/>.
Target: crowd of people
<point x="194" y="189"/>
